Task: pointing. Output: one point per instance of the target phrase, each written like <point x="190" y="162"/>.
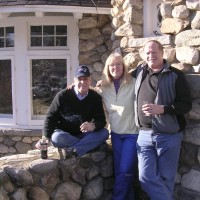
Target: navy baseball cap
<point x="82" y="70"/>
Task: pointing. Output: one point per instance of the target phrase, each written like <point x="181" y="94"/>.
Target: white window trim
<point x="29" y="91"/>
<point x="150" y="17"/>
<point x="9" y="121"/>
<point x="48" y="47"/>
<point x="21" y="55"/>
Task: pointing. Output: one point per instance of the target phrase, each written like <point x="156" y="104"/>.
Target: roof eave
<point x="53" y="8"/>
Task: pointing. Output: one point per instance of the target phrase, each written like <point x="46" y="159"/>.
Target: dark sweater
<point x="67" y="112"/>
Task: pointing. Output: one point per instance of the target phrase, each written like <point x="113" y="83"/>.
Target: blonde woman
<point x="117" y="90"/>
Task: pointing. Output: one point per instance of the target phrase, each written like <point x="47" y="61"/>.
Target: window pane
<point x="1" y="32"/>
<point x="5" y="89"/>
<point x="159" y="16"/>
<point x="48" y="77"/>
<point x="48" y="41"/>
<point x="9" y="30"/>
<point x="61" y="41"/>
<point x="9" y="42"/>
<point x="51" y="36"/>
<point x="9" y="36"/>
<point x="1" y="42"/>
<point x="61" y="30"/>
<point x="36" y="30"/>
<point x="48" y="30"/>
<point x="36" y="41"/>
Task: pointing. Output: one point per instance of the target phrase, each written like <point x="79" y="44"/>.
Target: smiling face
<point x="153" y="55"/>
<point x="116" y="68"/>
<point x="82" y="84"/>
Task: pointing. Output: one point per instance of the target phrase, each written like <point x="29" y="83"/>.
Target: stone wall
<point x="25" y="176"/>
<point x="94" y="42"/>
<point x="181" y="40"/>
<point x="17" y="141"/>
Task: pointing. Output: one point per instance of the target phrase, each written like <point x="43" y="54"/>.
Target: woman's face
<point x="116" y="68"/>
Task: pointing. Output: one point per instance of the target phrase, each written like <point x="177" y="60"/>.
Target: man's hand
<point x="152" y="109"/>
<point x="87" y="126"/>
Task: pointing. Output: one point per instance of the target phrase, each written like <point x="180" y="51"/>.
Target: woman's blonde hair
<point x="107" y="79"/>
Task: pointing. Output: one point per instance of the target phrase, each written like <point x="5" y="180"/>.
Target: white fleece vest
<point x="120" y="108"/>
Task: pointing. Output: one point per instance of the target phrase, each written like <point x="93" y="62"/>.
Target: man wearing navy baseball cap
<point x="82" y="70"/>
<point x="75" y="120"/>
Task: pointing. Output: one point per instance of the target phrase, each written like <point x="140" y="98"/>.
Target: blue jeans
<point x="125" y="163"/>
<point x="84" y="143"/>
<point x="158" y="155"/>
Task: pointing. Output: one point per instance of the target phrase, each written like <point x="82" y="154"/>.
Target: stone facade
<point x="25" y="177"/>
<point x="181" y="40"/>
<point x="17" y="141"/>
<point x="94" y="43"/>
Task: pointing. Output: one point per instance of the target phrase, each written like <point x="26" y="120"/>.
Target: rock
<point x="188" y="154"/>
<point x="35" y="193"/>
<point x="106" y="167"/>
<point x="3" y="195"/>
<point x="194" y="114"/>
<point x="69" y="191"/>
<point x="192" y="135"/>
<point x="191" y="180"/>
<point x="188" y="38"/>
<point x="194" y="84"/>
<point x="166" y="10"/>
<point x="92" y="172"/>
<point x="180" y="12"/>
<point x="4" y="148"/>
<point x="20" y="176"/>
<point x="129" y="29"/>
<point x="195" y="23"/>
<point x="94" y="189"/>
<point x="139" y="42"/>
<point x="19" y="193"/>
<point x="188" y="55"/>
<point x="23" y="147"/>
<point x="172" y="26"/>
<point x="87" y="34"/>
<point x="43" y="166"/>
<point x="78" y="174"/>
<point x="88" y="22"/>
<point x="193" y="4"/>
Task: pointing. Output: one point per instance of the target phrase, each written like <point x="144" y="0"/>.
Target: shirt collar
<point x="79" y="95"/>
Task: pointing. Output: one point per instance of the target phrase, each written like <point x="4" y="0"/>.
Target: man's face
<point x="153" y="55"/>
<point x="82" y="84"/>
